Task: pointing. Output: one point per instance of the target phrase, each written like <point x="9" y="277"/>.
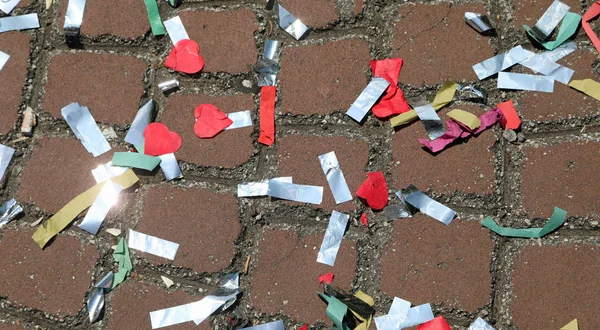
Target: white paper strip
<point x="84" y="127"/>
<point x="295" y="192"/>
<point x="23" y="22"/>
<point x="427" y="205"/>
<point x="144" y="116"/>
<point x="176" y="30"/>
<point x="540" y="65"/>
<point x="6" y="154"/>
<point x="170" y="167"/>
<point x="107" y="171"/>
<point x="514" y="56"/>
<point x="8" y="5"/>
<point x="277" y="325"/>
<point x="480" y="324"/>
<point x="558" y="53"/>
<point x="291" y="24"/>
<point x="261" y="188"/>
<point x="152" y="245"/>
<point x="333" y="238"/>
<point x="99" y="209"/>
<point x="489" y="67"/>
<point x="335" y="177"/>
<point x="3" y="59"/>
<point x="395" y="317"/>
<point x="418" y="315"/>
<point x="240" y="119"/>
<point x="367" y="98"/>
<point x="525" y="82"/>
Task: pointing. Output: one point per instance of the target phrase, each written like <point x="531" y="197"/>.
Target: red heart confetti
<point x="158" y="140"/>
<point x="439" y="323"/>
<point x="363" y="219"/>
<point x="185" y="57"/>
<point x="210" y="121"/>
<point x="327" y="278"/>
<point x="304" y="327"/>
<point x="374" y="191"/>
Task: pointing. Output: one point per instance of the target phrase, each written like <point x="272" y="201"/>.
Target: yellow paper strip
<point x="587" y="86"/>
<point x="61" y="219"/>
<point x="369" y="300"/>
<point x="571" y="326"/>
<point x="466" y="118"/>
<point x="444" y="96"/>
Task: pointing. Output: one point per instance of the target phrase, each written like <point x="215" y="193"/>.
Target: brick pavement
<point x="462" y="269"/>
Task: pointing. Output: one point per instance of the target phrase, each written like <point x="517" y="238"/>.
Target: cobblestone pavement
<point x="463" y="269"/>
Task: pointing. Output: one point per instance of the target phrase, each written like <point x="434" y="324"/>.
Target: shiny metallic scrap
<point x="471" y="93"/>
<point x="169" y="85"/>
<point x="479" y="22"/>
<point x="95" y="301"/>
<point x="550" y="20"/>
<point x="268" y="65"/>
<point x="74" y="18"/>
<point x="432" y="122"/>
<point x="8" y="211"/>
<point x="291" y="24"/>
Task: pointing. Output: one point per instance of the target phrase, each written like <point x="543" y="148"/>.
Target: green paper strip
<point x="121" y="255"/>
<point x="568" y="27"/>
<point x="336" y="311"/>
<point x="154" y="17"/>
<point x="556" y="220"/>
<point x="134" y="159"/>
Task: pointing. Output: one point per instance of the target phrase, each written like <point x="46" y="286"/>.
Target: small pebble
<point x="509" y="135"/>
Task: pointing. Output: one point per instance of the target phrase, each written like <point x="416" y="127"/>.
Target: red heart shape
<point x="185" y="57"/>
<point x="210" y="121"/>
<point x="374" y="191"/>
<point x="158" y="140"/>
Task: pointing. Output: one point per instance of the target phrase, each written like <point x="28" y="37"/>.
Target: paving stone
<point x="111" y="17"/>
<point x="132" y="303"/>
<point x="467" y="167"/>
<point x="8" y="326"/>
<point x="552" y="285"/>
<point x="83" y="77"/>
<point x="24" y="3"/>
<point x="59" y="170"/>
<point x="560" y="176"/>
<point x="228" y="149"/>
<point x="298" y="157"/>
<point x="12" y="75"/>
<point x="425" y="261"/>
<point x="226" y="38"/>
<point x="359" y="5"/>
<point x="54" y="280"/>
<point x="203" y="223"/>
<point x="287" y="274"/>
<point x="426" y="37"/>
<point x="530" y="11"/>
<point x="313" y="82"/>
<point x="314" y="13"/>
<point x="564" y="101"/>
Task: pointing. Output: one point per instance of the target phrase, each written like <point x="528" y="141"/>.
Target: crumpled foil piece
<point x="430" y="119"/>
<point x="525" y="82"/>
<point x="427" y="205"/>
<point x="9" y="210"/>
<point x="470" y="93"/>
<point x="367" y="98"/>
<point x="480" y="324"/>
<point x="84" y="127"/>
<point x="95" y="301"/>
<point x="73" y="19"/>
<point x="335" y="177"/>
<point x="479" y="22"/>
<point x="268" y="65"/>
<point x="333" y="238"/>
<point x="144" y="116"/>
<point x="291" y="24"/>
<point x="550" y="20"/>
<point x="230" y="282"/>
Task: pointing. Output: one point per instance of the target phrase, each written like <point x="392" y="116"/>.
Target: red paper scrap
<point x="327" y="278"/>
<point x="510" y="119"/>
<point x="304" y="327"/>
<point x="374" y="191"/>
<point x="592" y="13"/>
<point x="393" y="101"/>
<point x="363" y="219"/>
<point x="158" y="140"/>
<point x="210" y="121"/>
<point x="267" y="115"/>
<point x="185" y="57"/>
<point x="438" y="323"/>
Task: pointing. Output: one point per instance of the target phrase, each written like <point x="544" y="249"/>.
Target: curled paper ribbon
<point x="170" y="167"/>
<point x="556" y="220"/>
<point x="444" y="96"/>
<point x="95" y="301"/>
<point x="267" y="115"/>
<point x="567" y="29"/>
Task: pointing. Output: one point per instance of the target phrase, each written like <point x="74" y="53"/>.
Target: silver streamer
<point x="8" y="5"/>
<point x="395" y="317"/>
<point x="550" y="20"/>
<point x="6" y="155"/>
<point x="526" y="82"/>
<point x="335" y="177"/>
<point x="418" y="315"/>
<point x="538" y="64"/>
<point x="268" y="66"/>
<point x="558" y="53"/>
<point x="367" y="98"/>
<point x="170" y="167"/>
<point x="277" y="325"/>
<point x="107" y="171"/>
<point x="295" y="192"/>
<point x="514" y="56"/>
<point x="479" y="22"/>
<point x="169" y="85"/>
<point x="99" y="209"/>
<point x="432" y="122"/>
<point x="153" y="245"/>
<point x="144" y="116"/>
<point x="240" y="119"/>
<point x="74" y="17"/>
<point x="16" y="23"/>
<point x="480" y="324"/>
<point x="261" y="188"/>
<point x="8" y="211"/>
<point x="95" y="300"/>
<point x="489" y="67"/>
<point x="333" y="238"/>
<point x="175" y="29"/>
<point x="291" y="24"/>
<point x="3" y="59"/>
<point x="427" y="205"/>
<point x="84" y="127"/>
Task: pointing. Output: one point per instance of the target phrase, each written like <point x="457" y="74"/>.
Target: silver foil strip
<point x="489" y="67"/>
<point x="16" y="23"/>
<point x="268" y="66"/>
<point x="169" y="85"/>
<point x="295" y="192"/>
<point x="291" y="24"/>
<point x="74" y="17"/>
<point x="240" y="119"/>
<point x="6" y="155"/>
<point x="418" y="315"/>
<point x="99" y="209"/>
<point x="550" y="20"/>
<point x="95" y="300"/>
<point x="170" y="167"/>
<point x="256" y="189"/>
<point x="196" y="311"/>
<point x="9" y="210"/>
<point x="525" y="82"/>
<point x="471" y="93"/>
<point x="8" y="5"/>
<point x="367" y="98"/>
<point x="430" y="119"/>
<point x="514" y="56"/>
<point x="335" y="177"/>
<point x="558" y="53"/>
<point x="427" y="205"/>
<point x="538" y="64"/>
<point x="107" y="172"/>
<point x="396" y="211"/>
<point x="84" y="127"/>
<point x="395" y="317"/>
<point x="480" y="324"/>
<point x="153" y="245"/>
<point x="3" y="59"/>
<point x="144" y="116"/>
<point x="479" y="22"/>
<point x="333" y="238"/>
<point x="175" y="29"/>
<point x="276" y="325"/>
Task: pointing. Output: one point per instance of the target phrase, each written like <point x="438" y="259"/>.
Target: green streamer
<point x="567" y="29"/>
<point x="121" y="255"/>
<point x="336" y="311"/>
<point x="134" y="159"/>
<point x="556" y="220"/>
<point x="154" y="17"/>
